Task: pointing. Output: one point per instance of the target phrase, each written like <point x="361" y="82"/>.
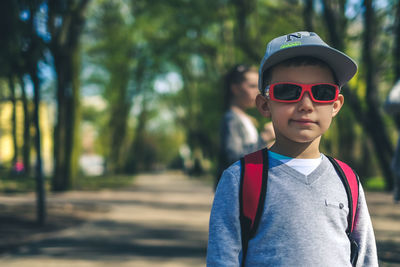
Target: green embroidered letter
<point x="290" y="45"/>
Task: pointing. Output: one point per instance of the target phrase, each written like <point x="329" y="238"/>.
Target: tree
<point x="65" y="23"/>
<point x="35" y="50"/>
<point x="11" y="86"/>
<point x="374" y="123"/>
<point x="396" y="51"/>
<point x="23" y="48"/>
<point x="10" y="50"/>
<point x="115" y="51"/>
<point x="200" y="40"/>
<point x="308" y="11"/>
<point x="396" y="47"/>
<point x="26" y="150"/>
<point x="14" y="67"/>
<point x="368" y="114"/>
<point x="243" y="10"/>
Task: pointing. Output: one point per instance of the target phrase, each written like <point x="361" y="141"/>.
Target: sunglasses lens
<point x="324" y="92"/>
<point x="286" y="91"/>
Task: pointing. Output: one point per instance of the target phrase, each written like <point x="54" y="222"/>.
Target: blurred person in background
<point x="238" y="133"/>
<point x="392" y="106"/>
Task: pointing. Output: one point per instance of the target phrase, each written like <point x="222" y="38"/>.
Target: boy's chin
<point x="304" y="140"/>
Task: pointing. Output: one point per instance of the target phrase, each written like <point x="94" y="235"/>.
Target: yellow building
<point x="47" y="115"/>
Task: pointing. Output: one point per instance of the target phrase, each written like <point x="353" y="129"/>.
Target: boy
<point x="304" y="219"/>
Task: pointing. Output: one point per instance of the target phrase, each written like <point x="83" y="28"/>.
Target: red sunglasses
<point x="293" y="92"/>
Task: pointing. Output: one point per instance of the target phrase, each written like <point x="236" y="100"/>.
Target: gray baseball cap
<point x="307" y="44"/>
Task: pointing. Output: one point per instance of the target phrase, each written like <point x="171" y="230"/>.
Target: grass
<point x="90" y="183"/>
<point x="375" y="184"/>
<point x="17" y="184"/>
<point x="22" y="184"/>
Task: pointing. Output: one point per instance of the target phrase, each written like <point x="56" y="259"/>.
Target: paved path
<point x="161" y="220"/>
<point x="385" y="217"/>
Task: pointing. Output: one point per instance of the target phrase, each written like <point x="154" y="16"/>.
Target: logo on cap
<point x="290" y="36"/>
<point x="290" y="45"/>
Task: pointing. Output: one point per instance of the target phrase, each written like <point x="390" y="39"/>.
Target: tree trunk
<point x="40" y="187"/>
<point x="308" y="14"/>
<point x="375" y="123"/>
<point x="119" y="107"/>
<point x="371" y="119"/>
<point x="396" y="51"/>
<point x="66" y="134"/>
<point x="27" y="136"/>
<point x="130" y="163"/>
<point x="346" y="134"/>
<point x="34" y="52"/>
<point x="396" y="54"/>
<point x="63" y="136"/>
<point x="134" y="160"/>
<point x="118" y="124"/>
<point x="243" y="39"/>
<point x="65" y="50"/>
<point x="13" y="119"/>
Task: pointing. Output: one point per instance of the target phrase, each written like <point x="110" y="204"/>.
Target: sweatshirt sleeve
<point x="363" y="234"/>
<point x="224" y="242"/>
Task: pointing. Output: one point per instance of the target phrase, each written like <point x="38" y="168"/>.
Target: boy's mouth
<point x="303" y="121"/>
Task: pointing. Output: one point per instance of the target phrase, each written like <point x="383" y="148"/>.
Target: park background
<point x="94" y="92"/>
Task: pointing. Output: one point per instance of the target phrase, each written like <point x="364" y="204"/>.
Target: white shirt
<point x="304" y="166"/>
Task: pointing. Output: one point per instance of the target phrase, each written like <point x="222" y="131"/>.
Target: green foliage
<point x="90" y="113"/>
<point x="375" y="184"/>
<point x="128" y="45"/>
<point x="200" y="41"/>
<point x="155" y="151"/>
<point x="114" y="53"/>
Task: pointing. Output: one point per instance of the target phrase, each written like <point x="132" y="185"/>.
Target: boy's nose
<point x="306" y="102"/>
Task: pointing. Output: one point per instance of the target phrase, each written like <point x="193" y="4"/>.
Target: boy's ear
<point x="337" y="105"/>
<point x="262" y="106"/>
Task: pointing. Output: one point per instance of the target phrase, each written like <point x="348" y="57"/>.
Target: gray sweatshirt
<point x="303" y="223"/>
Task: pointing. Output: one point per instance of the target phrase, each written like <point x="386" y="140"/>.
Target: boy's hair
<point x="295" y="62"/>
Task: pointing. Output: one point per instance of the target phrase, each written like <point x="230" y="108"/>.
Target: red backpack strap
<point x="253" y="187"/>
<point x="350" y="181"/>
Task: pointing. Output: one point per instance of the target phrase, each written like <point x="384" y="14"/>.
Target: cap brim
<point x="343" y="66"/>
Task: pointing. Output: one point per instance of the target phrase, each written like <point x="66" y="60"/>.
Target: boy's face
<point x="303" y="121"/>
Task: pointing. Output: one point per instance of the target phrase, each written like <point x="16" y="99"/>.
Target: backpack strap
<point x="253" y="188"/>
<point x="350" y="181"/>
